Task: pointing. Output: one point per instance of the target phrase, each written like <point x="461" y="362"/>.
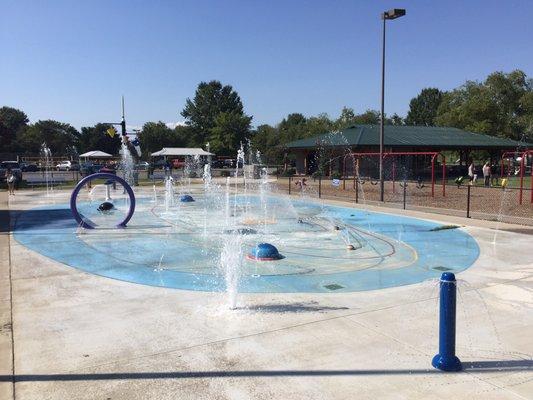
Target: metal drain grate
<point x="443" y="269"/>
<point x="333" y="286"/>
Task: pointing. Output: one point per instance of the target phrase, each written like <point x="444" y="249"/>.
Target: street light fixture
<point x="391" y="14"/>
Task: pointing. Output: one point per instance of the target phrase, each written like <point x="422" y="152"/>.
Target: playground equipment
<point x="508" y="156"/>
<point x="264" y="252"/>
<point x="186" y="198"/>
<point x="434" y="155"/>
<point x="84" y="223"/>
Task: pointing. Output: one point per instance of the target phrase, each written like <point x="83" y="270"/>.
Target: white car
<point x="66" y="166"/>
<point x="142" y="166"/>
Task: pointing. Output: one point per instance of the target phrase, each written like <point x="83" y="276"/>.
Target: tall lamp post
<point x="391" y="14"/>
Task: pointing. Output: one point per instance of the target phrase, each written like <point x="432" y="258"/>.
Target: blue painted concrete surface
<point x="189" y="263"/>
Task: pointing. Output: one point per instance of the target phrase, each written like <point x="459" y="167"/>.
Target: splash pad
<point x="325" y="248"/>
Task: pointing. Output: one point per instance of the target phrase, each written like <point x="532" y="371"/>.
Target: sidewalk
<point x="6" y="333"/>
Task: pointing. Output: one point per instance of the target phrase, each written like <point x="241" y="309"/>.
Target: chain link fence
<point x="508" y="204"/>
<point x="479" y="202"/>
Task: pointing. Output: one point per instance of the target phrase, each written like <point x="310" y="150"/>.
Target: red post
<point x="522" y="168"/>
<point x="443" y="175"/>
<point x="531" y="180"/>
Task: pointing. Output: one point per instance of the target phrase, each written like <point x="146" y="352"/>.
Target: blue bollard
<point x="446" y="360"/>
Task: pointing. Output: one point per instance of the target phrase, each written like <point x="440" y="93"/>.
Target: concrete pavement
<point x="80" y="336"/>
<point x="6" y="343"/>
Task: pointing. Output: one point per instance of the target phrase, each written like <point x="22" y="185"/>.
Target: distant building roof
<point x="95" y="154"/>
<point x="406" y="136"/>
<point x="181" y="151"/>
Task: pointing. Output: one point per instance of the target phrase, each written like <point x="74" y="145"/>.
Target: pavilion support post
<point x="433" y="176"/>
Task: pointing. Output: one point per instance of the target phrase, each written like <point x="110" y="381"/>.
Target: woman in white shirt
<point x="486" y="174"/>
<point x="10" y="179"/>
<point x="471" y="172"/>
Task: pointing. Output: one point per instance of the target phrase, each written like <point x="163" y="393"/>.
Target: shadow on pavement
<point x="475" y="366"/>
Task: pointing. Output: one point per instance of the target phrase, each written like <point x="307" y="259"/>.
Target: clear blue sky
<point x="72" y="60"/>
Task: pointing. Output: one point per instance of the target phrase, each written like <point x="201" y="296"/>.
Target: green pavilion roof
<point x="406" y="136"/>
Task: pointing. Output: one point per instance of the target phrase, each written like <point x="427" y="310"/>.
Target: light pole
<point x="391" y="14"/>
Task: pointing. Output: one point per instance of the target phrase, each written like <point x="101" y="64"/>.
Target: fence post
<point x="290" y="179"/>
<point x="357" y="191"/>
<point x="468" y="201"/>
<point x="404" y="193"/>
<point x="446" y="360"/>
<point x="320" y="186"/>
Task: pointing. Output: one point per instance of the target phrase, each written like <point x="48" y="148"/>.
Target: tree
<point x="203" y="112"/>
<point x="60" y="137"/>
<point x="230" y="129"/>
<point x="369" y="117"/>
<point x="96" y="138"/>
<point x="12" y="123"/>
<point x="396" y="120"/>
<point x="423" y="108"/>
<point x="267" y="140"/>
<point x="346" y="119"/>
<point x="155" y="135"/>
<point x="500" y="106"/>
<point x="293" y="127"/>
<point x="318" y="125"/>
<point x="184" y="135"/>
<point x="525" y="119"/>
<point x="468" y="107"/>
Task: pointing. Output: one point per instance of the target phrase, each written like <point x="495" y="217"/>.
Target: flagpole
<point x="123" y="122"/>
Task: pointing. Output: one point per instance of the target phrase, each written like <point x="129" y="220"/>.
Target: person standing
<point x="486" y="174"/>
<point x="471" y="172"/>
<point x="493" y="175"/>
<point x="10" y="179"/>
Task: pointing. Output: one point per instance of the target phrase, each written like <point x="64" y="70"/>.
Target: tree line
<point x="501" y="105"/>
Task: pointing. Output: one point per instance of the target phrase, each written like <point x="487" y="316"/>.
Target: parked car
<point x="27" y="167"/>
<point x="178" y="163"/>
<point x="143" y="166"/>
<point x="90" y="168"/>
<point x="223" y="162"/>
<point x="14" y="166"/>
<point x="68" y="166"/>
<point x="159" y="164"/>
<point x="109" y="168"/>
<point x="231" y="163"/>
<point x="218" y="164"/>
